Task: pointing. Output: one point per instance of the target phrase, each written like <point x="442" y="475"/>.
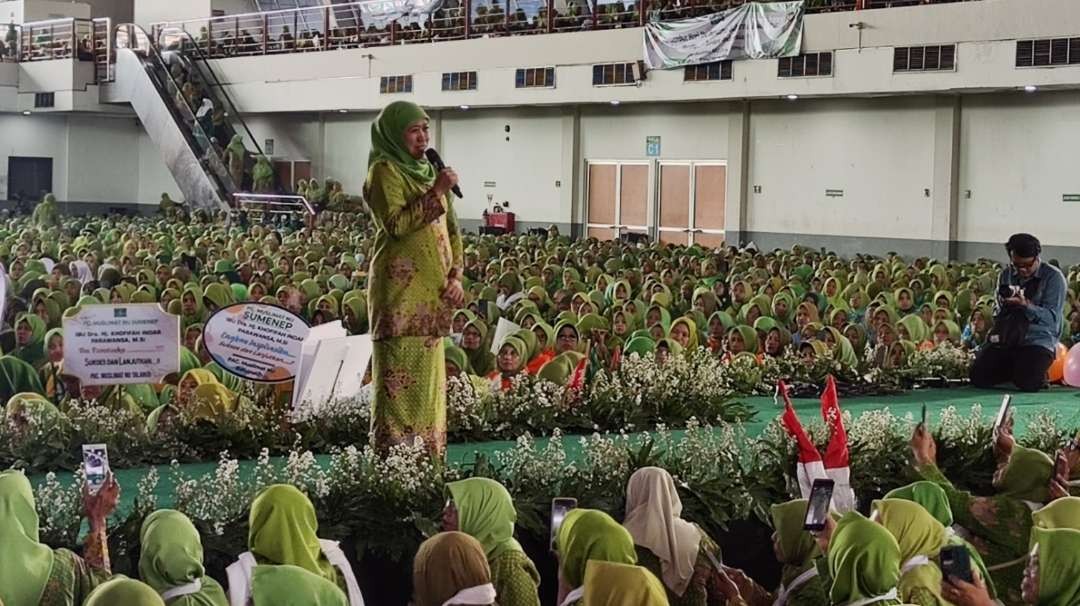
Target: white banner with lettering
<point x="121" y="344"/>
<point x="755" y="30"/>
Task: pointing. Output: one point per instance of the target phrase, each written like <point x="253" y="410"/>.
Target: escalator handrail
<point x="220" y="87"/>
<point x="168" y="100"/>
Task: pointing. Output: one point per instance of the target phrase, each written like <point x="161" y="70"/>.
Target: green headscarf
<point x="122" y="590"/>
<point x="928" y="494"/>
<point x="33" y="353"/>
<point x="457" y="356"/>
<point x="486" y="513"/>
<point x="283" y="530"/>
<point x="749" y="336"/>
<point x="863" y="559"/>
<point x="520" y="347"/>
<point x="691" y="327"/>
<point x="918" y="534"/>
<point x="17" y="377"/>
<point x="388" y="141"/>
<point x="796" y="544"/>
<point x="27" y="562"/>
<point x="642" y="346"/>
<point x="285" y="585"/>
<point x="1061" y="513"/>
<point x="916" y="328"/>
<point x="1059" y="567"/>
<point x="588" y="534"/>
<point x="172" y="555"/>
<point x="1027" y="475"/>
<point x="559" y="368"/>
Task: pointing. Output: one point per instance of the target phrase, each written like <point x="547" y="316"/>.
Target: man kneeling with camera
<point x="1030" y="299"/>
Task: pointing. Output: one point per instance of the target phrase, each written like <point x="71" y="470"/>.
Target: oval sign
<point x="256" y="341"/>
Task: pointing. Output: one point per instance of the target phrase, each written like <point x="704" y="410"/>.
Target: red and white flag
<point x="812" y="466"/>
<point x="837" y="458"/>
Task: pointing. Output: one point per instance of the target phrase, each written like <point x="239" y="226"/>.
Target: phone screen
<point x="818" y="508"/>
<point x="924" y="415"/>
<point x="1003" y="413"/>
<point x="956" y="562"/>
<point x="560" y="506"/>
<point x="95" y="466"/>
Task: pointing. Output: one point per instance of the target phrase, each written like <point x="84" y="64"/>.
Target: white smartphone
<point x="1003" y="414"/>
<point x="95" y="466"/>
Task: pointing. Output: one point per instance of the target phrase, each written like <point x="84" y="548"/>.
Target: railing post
<point x="468" y="16"/>
<point x="74" y="40"/>
<point x="506" y="18"/>
<point x="393" y="33"/>
<point x="265" y="33"/>
<point x="643" y="7"/>
<point x="326" y="28"/>
<point x="210" y="38"/>
<point x="550" y="15"/>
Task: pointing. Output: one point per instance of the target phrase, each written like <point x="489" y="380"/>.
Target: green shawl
<point x="1062" y="513"/>
<point x="613" y="584"/>
<point x="1059" y="567"/>
<point x="17" y="377"/>
<point x="559" y="368"/>
<point x="27" y="562"/>
<point x="1027" y="475"/>
<point x="486" y="512"/>
<point x="290" y="585"/>
<point x="388" y="144"/>
<point x="172" y="555"/>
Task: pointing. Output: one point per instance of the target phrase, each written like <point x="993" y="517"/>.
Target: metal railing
<point x="352" y="25"/>
<point x="57" y="39"/>
<point x="273" y="204"/>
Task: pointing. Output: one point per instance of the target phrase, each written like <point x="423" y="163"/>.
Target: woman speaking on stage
<point x="414" y="284"/>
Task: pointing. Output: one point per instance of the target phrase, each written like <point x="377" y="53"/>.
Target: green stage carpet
<point x="1064" y="401"/>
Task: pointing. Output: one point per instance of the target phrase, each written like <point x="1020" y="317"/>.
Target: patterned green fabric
<point x="410" y="392"/>
<point x="515" y="578"/>
<point x="704" y="588"/>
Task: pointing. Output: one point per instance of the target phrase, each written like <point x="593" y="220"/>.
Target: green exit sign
<point x="1070" y="197"/>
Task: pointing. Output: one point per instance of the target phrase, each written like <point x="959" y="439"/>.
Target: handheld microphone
<point x="436" y="161"/>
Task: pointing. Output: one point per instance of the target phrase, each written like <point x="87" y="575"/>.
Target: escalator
<point x="194" y="155"/>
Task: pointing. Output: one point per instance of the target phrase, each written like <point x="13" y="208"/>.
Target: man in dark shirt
<point x="1030" y="290"/>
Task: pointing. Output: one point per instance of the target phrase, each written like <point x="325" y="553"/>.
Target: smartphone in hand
<point x="95" y="466"/>
<point x="560" y="506"/>
<point x="956" y="563"/>
<point x="820" y="503"/>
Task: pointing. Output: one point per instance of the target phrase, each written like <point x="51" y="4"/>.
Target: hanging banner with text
<point x="257" y="342"/>
<point x="121" y="344"/>
<point x="755" y="30"/>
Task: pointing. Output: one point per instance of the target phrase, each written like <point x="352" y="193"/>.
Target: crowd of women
<point x="1023" y="543"/>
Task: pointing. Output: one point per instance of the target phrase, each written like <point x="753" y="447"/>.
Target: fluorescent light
<point x="615" y="102"/>
<point x="1030" y="88"/>
<point x="343" y="111"/>
<point x="26" y="112"/>
<point x="792" y="97"/>
<point x="464" y="107"/>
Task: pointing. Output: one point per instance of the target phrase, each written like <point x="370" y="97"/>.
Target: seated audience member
<point x="1001" y="524"/>
<point x="862" y="561"/>
<point x="1030" y="299"/>
<point x="588" y="535"/>
<point x="921" y="539"/>
<point x="511" y="362"/>
<point x="677" y="551"/>
<point x="282" y="531"/>
<point x="484" y="510"/>
<point x="451" y="568"/>
<point x="171" y="561"/>
<point x="795" y="549"/>
<point x="286" y="585"/>
<point x="32" y="572"/>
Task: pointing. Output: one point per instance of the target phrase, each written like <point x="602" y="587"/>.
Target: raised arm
<point x="396" y="215"/>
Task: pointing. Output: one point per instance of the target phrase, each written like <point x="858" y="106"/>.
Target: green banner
<point x="755" y="30"/>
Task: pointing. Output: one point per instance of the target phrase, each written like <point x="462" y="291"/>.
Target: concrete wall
<point x="153" y="11"/>
<point x="25" y="11"/>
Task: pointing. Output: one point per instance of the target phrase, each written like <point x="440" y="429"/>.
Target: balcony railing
<point x="80" y="39"/>
<point x="360" y="24"/>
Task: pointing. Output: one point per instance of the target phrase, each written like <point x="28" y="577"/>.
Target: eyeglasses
<point x="1025" y="266"/>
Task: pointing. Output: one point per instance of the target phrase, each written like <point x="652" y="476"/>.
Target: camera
<point x="1009" y="291"/>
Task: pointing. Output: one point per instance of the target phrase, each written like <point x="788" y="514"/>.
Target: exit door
<point x="29" y="179"/>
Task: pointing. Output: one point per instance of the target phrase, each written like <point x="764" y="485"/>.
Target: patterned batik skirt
<point x="409" y="402"/>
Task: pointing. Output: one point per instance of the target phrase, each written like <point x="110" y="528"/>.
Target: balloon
<point x="1057" y="368"/>
<point x="1072" y="366"/>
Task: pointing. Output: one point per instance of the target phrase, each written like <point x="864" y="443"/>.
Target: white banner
<point x="121" y="344"/>
<point x="755" y="30"/>
<point x="256" y="342"/>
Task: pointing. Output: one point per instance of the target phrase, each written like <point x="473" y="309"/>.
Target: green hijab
<point x="691" y="327"/>
<point x="1027" y="475"/>
<point x="1059" y="566"/>
<point x="388" y="142"/>
<point x="591" y="535"/>
<point x="122" y="590"/>
<point x="486" y="513"/>
<point x="285" y="585"/>
<point x="918" y="534"/>
<point x="749" y="336"/>
<point x="559" y="368"/>
<point x="283" y="530"/>
<point x="1061" y="513"/>
<point x="457" y="356"/>
<point x="916" y="328"/>
<point x="172" y="555"/>
<point x="33" y="353"/>
<point x="643" y="346"/>
<point x="863" y="559"/>
<point x="612" y="584"/>
<point x="17" y="377"/>
<point x="796" y="544"/>
<point x="928" y="494"/>
<point x="27" y="562"/>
